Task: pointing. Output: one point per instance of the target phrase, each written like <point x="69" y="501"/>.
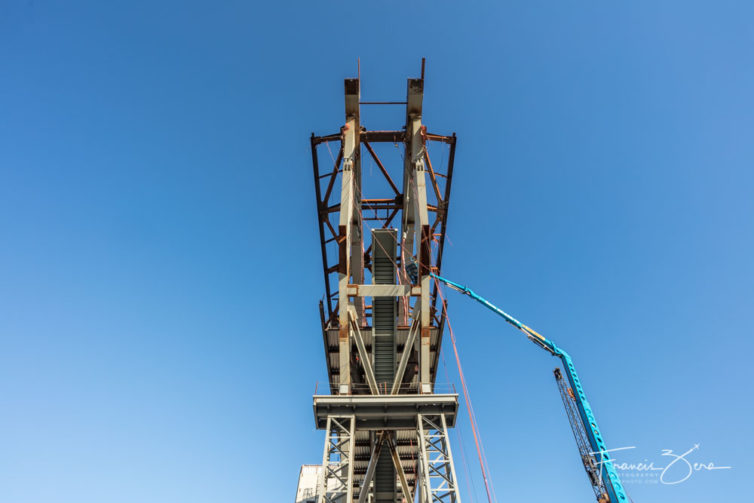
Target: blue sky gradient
<point x="160" y="266"/>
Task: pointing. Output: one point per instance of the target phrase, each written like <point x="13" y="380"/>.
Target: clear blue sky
<point x="160" y="269"/>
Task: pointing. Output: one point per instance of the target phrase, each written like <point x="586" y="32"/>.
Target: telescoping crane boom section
<point x="597" y="461"/>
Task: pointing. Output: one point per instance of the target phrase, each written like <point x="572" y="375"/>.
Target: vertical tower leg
<point x="336" y="480"/>
<point x="438" y="474"/>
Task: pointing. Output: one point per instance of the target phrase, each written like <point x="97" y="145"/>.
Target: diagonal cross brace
<point x="407" y="349"/>
<point x="365" y="361"/>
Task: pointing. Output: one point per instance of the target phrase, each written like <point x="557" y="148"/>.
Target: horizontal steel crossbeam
<point x="385" y="412"/>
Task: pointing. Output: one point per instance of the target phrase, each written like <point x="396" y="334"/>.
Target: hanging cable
<point x="467" y="473"/>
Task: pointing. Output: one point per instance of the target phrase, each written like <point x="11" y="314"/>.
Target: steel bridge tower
<point x="386" y="427"/>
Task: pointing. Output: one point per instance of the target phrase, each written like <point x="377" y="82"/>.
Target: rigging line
<point x="467" y="473"/>
<point x="475" y="425"/>
<point x="467" y="399"/>
<point x="487" y="464"/>
<point x="484" y="456"/>
<point x="327" y="143"/>
<point x="477" y="438"/>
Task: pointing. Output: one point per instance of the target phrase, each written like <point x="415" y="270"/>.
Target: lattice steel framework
<point x="437" y="469"/>
<point x="381" y="236"/>
<point x="591" y="465"/>
<point x="336" y="479"/>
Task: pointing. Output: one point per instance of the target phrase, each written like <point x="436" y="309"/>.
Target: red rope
<point x="467" y="472"/>
<point x="467" y="399"/>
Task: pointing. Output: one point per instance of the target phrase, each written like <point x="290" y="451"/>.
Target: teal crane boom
<point x="596" y="458"/>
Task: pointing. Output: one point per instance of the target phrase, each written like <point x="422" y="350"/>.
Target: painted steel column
<point x="416" y="233"/>
<point x="349" y="228"/>
<point x="438" y="471"/>
<point x="450" y="458"/>
<point x="335" y="484"/>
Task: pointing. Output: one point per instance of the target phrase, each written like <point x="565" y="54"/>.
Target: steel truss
<point x="437" y="471"/>
<point x="417" y="202"/>
<point x="587" y="457"/>
<point x="381" y="316"/>
<point x="336" y="479"/>
<point x="383" y="211"/>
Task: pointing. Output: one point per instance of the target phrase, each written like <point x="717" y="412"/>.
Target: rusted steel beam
<point x="376" y="218"/>
<point x="384" y="136"/>
<point x="438" y="220"/>
<point x="384" y="213"/>
<point x="387" y="219"/>
<point x="382" y="168"/>
<point x="378" y="207"/>
<point x="441" y="328"/>
<point x="391" y="217"/>
<point x="334" y="173"/>
<point x="439" y="137"/>
<point x="324" y="340"/>
<point x="444" y="213"/>
<point x="316" y="140"/>
<point x="383" y="204"/>
<point x="332" y="229"/>
<point x="432" y="177"/>
<point x="446" y="198"/>
<point x="377" y="200"/>
<point x="382" y="102"/>
<point x="425" y="255"/>
<point x="323" y="246"/>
